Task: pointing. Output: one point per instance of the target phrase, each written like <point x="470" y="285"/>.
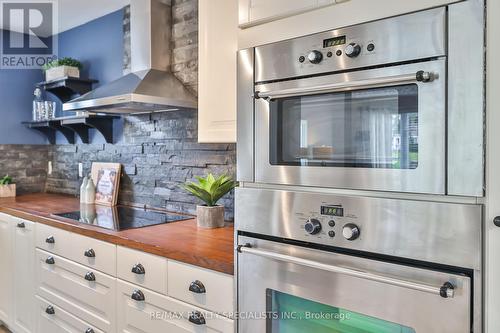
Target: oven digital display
<point x="335" y="41"/>
<point x="332" y="211"/>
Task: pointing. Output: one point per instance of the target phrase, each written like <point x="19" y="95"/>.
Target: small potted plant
<point x="210" y="189"/>
<point x="7" y="188"/>
<point x="60" y="68"/>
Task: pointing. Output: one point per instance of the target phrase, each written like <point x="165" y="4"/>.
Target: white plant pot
<point x="60" y="72"/>
<point x="210" y="217"/>
<point x="7" y="191"/>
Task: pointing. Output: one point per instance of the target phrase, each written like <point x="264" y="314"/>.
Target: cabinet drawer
<point x="89" y="295"/>
<point x="88" y="251"/>
<point x="216" y="294"/>
<point x="53" y="319"/>
<point x="94" y="253"/>
<point x="144" y="269"/>
<point x="158" y="313"/>
<point x="52" y="239"/>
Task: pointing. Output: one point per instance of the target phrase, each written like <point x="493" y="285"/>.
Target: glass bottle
<point x="38" y="105"/>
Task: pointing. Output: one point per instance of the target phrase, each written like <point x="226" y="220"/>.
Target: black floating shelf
<point x="67" y="87"/>
<point x="80" y="125"/>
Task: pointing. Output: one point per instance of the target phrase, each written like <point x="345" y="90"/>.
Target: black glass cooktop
<point x="121" y="217"/>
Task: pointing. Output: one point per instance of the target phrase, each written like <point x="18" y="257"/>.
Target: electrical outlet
<point x="49" y="168"/>
<point x="80" y="170"/>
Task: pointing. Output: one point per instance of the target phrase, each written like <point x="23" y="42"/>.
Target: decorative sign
<point x="106" y="177"/>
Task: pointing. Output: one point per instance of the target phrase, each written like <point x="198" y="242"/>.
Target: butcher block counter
<point x="181" y="241"/>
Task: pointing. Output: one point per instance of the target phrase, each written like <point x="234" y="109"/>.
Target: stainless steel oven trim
<point x="245" y="116"/>
<point x="429" y="177"/>
<point x="421" y="311"/>
<point x="466" y="98"/>
<point x="437" y="291"/>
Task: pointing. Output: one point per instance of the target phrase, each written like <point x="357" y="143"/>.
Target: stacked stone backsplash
<point x="159" y="152"/>
<point x="26" y="164"/>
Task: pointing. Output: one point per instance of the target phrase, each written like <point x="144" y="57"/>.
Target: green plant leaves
<point x="63" y="62"/>
<point x="210" y="188"/>
<point x="6" y="180"/>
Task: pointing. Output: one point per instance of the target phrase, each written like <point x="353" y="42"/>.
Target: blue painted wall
<point x="16" y="98"/>
<point x="98" y="44"/>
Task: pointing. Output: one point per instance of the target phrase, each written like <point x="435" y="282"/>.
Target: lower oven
<point x="322" y="263"/>
<point x="306" y="290"/>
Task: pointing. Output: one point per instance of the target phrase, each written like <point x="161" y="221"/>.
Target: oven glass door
<point x="292" y="314"/>
<point x="371" y="128"/>
<point x="377" y="129"/>
<point x="287" y="289"/>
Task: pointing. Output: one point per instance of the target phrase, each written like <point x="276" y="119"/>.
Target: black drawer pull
<point x="496" y="221"/>
<point x="137" y="295"/>
<point x="50" y="240"/>
<point x="90" y="276"/>
<point x="50" y="310"/>
<point x="138" y="269"/>
<point x="50" y="261"/>
<point x="197" y="287"/>
<point x="197" y="318"/>
<point x="21" y="225"/>
<point x="90" y="253"/>
<point x="89" y="330"/>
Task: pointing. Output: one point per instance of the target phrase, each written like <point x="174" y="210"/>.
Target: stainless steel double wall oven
<point x="338" y="132"/>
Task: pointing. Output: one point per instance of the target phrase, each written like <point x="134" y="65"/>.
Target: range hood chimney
<point x="150" y="87"/>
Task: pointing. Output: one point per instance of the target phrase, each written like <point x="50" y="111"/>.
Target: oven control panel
<point x="377" y="43"/>
<point x="330" y="222"/>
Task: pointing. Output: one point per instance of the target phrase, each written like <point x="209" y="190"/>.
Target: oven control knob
<point x="315" y="57"/>
<point x="350" y="231"/>
<point x="313" y="226"/>
<point x="352" y="50"/>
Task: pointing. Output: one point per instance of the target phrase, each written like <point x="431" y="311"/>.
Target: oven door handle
<point x="447" y="290"/>
<point x="420" y="76"/>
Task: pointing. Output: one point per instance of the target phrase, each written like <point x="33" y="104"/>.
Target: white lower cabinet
<point x="55" y="281"/>
<point x="53" y="319"/>
<point x="6" y="263"/>
<point x="84" y="292"/>
<point x="23" y="315"/>
<point x="144" y="311"/>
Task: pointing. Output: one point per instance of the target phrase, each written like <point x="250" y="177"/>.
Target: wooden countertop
<point x="182" y="241"/>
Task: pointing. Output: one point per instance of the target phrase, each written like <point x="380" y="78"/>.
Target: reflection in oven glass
<point x="373" y="128"/>
<point x="292" y="314"/>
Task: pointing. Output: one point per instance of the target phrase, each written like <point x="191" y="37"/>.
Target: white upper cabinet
<point x="218" y="39"/>
<point x="253" y="12"/>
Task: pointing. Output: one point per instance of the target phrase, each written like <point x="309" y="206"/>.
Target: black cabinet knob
<point x="90" y="253"/>
<point x="50" y="261"/>
<point x="50" y="240"/>
<point x="50" y="310"/>
<point x="197" y="287"/>
<point x="138" y="295"/>
<point x="90" y="276"/>
<point x="21" y="225"/>
<point x="138" y="269"/>
<point x="197" y="318"/>
<point x="496" y="221"/>
<point x="89" y="330"/>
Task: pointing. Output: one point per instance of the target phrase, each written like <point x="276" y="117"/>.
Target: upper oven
<point x="379" y="129"/>
<point x="390" y="105"/>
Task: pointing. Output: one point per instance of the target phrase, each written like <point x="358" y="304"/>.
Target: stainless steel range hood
<point x="150" y="87"/>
